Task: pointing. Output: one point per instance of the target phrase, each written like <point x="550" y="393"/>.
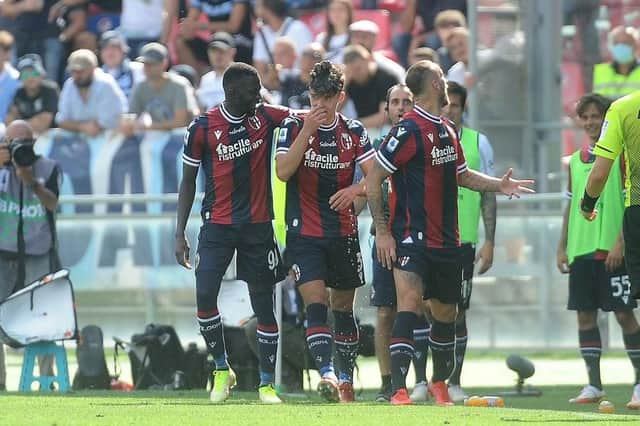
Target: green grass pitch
<point x="184" y="408"/>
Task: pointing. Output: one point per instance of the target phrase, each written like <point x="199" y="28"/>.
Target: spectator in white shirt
<point x="273" y="23"/>
<point x="222" y="50"/>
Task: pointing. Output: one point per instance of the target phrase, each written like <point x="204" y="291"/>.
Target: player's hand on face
<point x="386" y="249"/>
<point x="182" y="251"/>
<point x="615" y="258"/>
<point x="515" y="187"/>
<point x="485" y="257"/>
<point x="314" y="119"/>
<point x="344" y="198"/>
<point x="562" y="261"/>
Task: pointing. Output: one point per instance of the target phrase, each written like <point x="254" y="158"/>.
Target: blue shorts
<point x="257" y="261"/>
<point x="336" y="261"/>
<point x="383" y="289"/>
<point x="439" y="269"/>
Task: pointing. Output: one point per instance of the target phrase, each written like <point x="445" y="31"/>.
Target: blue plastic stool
<point x="62" y="370"/>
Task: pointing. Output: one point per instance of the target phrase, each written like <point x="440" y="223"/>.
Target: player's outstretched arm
<point x="385" y="244"/>
<point x="288" y="160"/>
<point x="185" y="202"/>
<point x="506" y="185"/>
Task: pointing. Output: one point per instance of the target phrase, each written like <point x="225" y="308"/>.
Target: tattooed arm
<point x="385" y="244"/>
<point x="489" y="209"/>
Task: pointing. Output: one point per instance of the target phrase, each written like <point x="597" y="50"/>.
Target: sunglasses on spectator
<point x="24" y="75"/>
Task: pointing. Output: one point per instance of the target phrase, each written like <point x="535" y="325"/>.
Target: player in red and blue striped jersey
<point x="423" y="155"/>
<point x="317" y="155"/>
<point x="232" y="143"/>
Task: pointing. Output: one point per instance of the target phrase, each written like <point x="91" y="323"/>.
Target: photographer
<point x="28" y="199"/>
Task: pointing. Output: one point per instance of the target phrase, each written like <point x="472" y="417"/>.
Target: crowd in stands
<point x="136" y="65"/>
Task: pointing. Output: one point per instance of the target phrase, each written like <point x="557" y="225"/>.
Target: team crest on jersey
<point x="254" y="122"/>
<point x="345" y="141"/>
<point x="296" y="271"/>
<point x="404" y="260"/>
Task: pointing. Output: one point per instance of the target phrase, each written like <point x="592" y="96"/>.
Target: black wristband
<point x="588" y="203"/>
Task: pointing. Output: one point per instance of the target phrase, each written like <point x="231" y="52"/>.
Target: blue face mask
<point x="622" y="53"/>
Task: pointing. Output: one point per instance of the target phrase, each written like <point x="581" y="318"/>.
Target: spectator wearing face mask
<point x="621" y="76"/>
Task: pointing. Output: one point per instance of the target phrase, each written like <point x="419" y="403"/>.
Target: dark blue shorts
<point x="383" y="288"/>
<point x="468" y="259"/>
<point x="336" y="261"/>
<point x="257" y="260"/>
<point x="440" y="270"/>
<point x="592" y="287"/>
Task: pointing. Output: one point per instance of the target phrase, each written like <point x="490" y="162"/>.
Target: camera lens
<point x="23" y="154"/>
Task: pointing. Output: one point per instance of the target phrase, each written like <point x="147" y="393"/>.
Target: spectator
<point x="423" y="54"/>
<point x="33" y="32"/>
<point x="36" y="101"/>
<point x="294" y="87"/>
<point x="9" y="76"/>
<point x="365" y="33"/>
<point x="161" y="100"/>
<point x="70" y="16"/>
<point x="91" y="100"/>
<point x="285" y="59"/>
<point x="367" y="85"/>
<point x="458" y="47"/>
<point x="428" y="11"/>
<point x="38" y="185"/>
<point x="273" y="22"/>
<point x="191" y="76"/>
<point x="336" y="38"/>
<point x="222" y="49"/>
<point x="113" y="53"/>
<point x="622" y="76"/>
<point x="446" y="22"/>
<point x="141" y="22"/>
<point x="231" y="16"/>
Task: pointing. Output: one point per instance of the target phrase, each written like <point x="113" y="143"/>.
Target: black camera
<point x="21" y="151"/>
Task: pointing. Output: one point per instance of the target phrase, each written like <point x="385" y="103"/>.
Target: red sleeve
<point x="277" y="113"/>
<point x="461" y="162"/>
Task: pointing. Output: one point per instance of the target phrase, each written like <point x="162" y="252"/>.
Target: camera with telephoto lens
<point x="21" y="151"/>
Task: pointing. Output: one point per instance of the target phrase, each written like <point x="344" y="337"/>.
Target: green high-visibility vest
<point x="607" y="82"/>
<point x="586" y="237"/>
<point x="279" y="192"/>
<point x="468" y="200"/>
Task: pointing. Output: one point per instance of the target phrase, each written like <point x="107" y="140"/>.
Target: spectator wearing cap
<point x="142" y="22"/>
<point x="36" y="101"/>
<point x="365" y="33"/>
<point x="160" y="101"/>
<point x="91" y="101"/>
<point x="221" y="51"/>
<point x="230" y="16"/>
<point x="113" y="53"/>
<point x="9" y="76"/>
<point x="367" y="85"/>
<point x="274" y="22"/>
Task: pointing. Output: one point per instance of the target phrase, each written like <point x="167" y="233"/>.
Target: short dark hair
<point x="601" y="102"/>
<point x="238" y="71"/>
<point x="326" y="79"/>
<point x="390" y="90"/>
<point x="278" y="7"/>
<point x="418" y="75"/>
<point x="454" y="88"/>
